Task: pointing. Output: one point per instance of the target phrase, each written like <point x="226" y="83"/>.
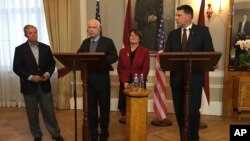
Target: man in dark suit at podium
<point x="197" y="39"/>
<point x="98" y="83"/>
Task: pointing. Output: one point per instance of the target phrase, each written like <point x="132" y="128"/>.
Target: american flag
<point x="97" y="14"/>
<point x="160" y="105"/>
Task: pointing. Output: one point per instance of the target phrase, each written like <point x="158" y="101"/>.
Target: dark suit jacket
<point x="246" y="28"/>
<point x="24" y="65"/>
<point x="199" y="40"/>
<point x="107" y="46"/>
<point x="140" y="63"/>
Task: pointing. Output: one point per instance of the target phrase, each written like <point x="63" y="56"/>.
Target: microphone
<point x="74" y="66"/>
<point x="191" y="34"/>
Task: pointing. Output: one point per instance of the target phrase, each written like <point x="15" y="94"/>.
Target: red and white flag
<point x="159" y="97"/>
<point x="127" y="24"/>
<point x="205" y="91"/>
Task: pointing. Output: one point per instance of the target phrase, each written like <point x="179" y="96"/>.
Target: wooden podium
<point x="136" y="114"/>
<point x="188" y="62"/>
<point x="85" y="62"/>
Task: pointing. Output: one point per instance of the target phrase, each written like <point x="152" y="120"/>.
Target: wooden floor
<point x="14" y="127"/>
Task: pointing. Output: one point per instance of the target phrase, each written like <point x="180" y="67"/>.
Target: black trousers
<point x="194" y="113"/>
<point x="122" y="99"/>
<point x="99" y="94"/>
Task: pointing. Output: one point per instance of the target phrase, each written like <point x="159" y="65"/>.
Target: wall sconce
<point x="214" y="8"/>
<point x="209" y="11"/>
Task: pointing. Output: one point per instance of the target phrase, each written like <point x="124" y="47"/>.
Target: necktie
<point x="93" y="46"/>
<point x="184" y="39"/>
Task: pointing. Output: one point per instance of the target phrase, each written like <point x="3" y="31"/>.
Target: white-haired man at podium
<point x="98" y="88"/>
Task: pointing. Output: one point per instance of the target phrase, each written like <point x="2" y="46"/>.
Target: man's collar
<point x="32" y="45"/>
<point x="96" y="38"/>
<point x="189" y="26"/>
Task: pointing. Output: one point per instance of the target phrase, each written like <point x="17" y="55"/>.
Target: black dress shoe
<point x="60" y="138"/>
<point x="203" y="125"/>
<point x="161" y="123"/>
<point x="122" y="120"/>
<point x="38" y="139"/>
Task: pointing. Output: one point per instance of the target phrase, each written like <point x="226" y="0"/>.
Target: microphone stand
<point x="190" y="74"/>
<point x="74" y="95"/>
<point x="187" y="90"/>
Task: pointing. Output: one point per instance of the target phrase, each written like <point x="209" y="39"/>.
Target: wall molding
<point x="215" y="108"/>
<point x="216" y="73"/>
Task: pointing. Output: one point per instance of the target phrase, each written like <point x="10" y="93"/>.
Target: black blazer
<point x="246" y="28"/>
<point x="199" y="40"/>
<point x="24" y="65"/>
<point x="107" y="46"/>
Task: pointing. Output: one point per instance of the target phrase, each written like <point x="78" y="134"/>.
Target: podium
<point x="188" y="62"/>
<point x="85" y="62"/>
<point x="136" y="114"/>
